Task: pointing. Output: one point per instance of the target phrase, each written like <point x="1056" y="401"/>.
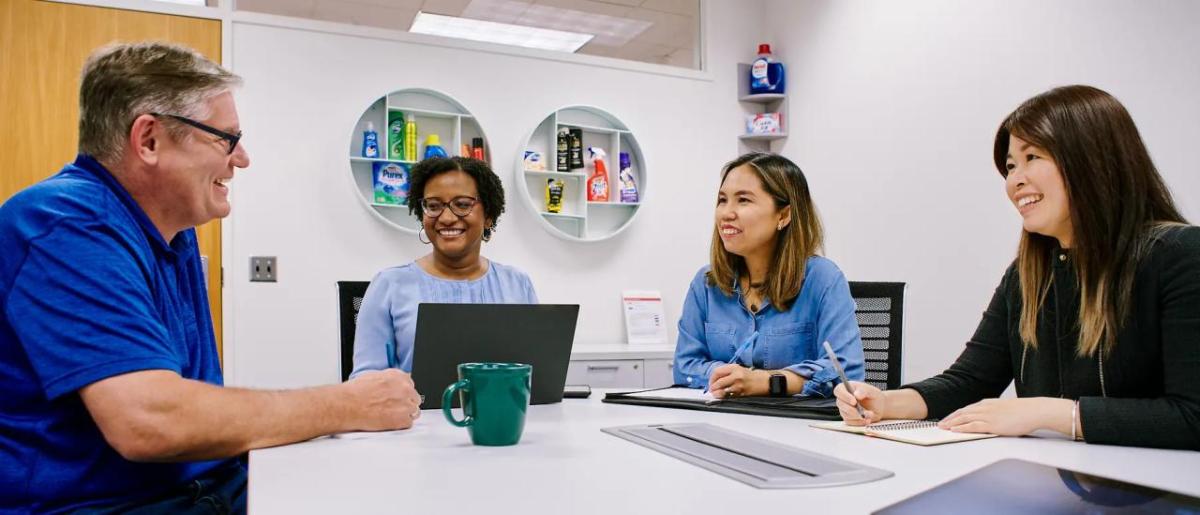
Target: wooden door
<point x="42" y="49"/>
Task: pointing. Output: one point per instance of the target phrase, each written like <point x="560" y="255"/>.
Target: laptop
<point x="537" y="334"/>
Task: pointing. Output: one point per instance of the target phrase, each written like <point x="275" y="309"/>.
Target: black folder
<point x="797" y="406"/>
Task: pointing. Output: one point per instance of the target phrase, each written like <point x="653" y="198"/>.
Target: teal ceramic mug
<point x="495" y="397"/>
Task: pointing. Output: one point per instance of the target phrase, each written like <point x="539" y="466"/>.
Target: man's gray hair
<point x="126" y="80"/>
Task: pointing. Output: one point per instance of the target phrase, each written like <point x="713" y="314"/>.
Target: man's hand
<point x="384" y="400"/>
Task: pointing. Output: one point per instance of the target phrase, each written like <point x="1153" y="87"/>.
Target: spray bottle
<point x="597" y="184"/>
<point x="629" y="192"/>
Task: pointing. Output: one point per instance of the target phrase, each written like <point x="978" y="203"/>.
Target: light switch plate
<point x="262" y="269"/>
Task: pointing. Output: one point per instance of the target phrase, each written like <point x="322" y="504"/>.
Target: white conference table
<point x="564" y="464"/>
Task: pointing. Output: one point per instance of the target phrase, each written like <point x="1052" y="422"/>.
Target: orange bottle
<point x="597" y="184"/>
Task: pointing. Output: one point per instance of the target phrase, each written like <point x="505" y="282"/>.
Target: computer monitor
<point x="537" y="334"/>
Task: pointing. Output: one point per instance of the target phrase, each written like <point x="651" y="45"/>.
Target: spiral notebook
<point x="917" y="432"/>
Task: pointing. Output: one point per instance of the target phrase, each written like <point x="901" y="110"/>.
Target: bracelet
<point x="1074" y="421"/>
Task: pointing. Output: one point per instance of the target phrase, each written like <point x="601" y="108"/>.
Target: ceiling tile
<point x="588" y="6"/>
<point x="446" y="7"/>
<point x="299" y="9"/>
<point x="684" y="7"/>
<point x="371" y="15"/>
<point x="503" y="11"/>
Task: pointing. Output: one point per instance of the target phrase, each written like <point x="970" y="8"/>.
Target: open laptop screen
<point x="448" y="334"/>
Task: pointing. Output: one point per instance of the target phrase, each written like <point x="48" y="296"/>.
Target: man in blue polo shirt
<point x="112" y="393"/>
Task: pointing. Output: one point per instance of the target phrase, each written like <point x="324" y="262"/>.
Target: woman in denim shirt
<point x="767" y="302"/>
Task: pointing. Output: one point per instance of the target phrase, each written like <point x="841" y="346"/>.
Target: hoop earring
<point x="487" y="233"/>
<point x="422" y="233"/>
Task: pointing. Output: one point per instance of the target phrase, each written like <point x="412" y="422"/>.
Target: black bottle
<point x="576" y="150"/>
<point x="564" y="143"/>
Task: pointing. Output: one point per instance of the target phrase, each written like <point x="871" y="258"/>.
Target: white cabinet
<point x="624" y="373"/>
<point x="658" y="372"/>
<point x="621" y="366"/>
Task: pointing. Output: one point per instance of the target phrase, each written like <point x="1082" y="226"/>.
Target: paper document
<point x="677" y="393"/>
<point x="645" y="322"/>
<point x="917" y="432"/>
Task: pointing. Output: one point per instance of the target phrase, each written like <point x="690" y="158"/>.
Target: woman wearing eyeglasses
<point x="458" y="200"/>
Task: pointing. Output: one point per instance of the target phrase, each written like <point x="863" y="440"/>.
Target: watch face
<point x="778" y="385"/>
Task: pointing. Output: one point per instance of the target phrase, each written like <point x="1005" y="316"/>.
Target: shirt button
<point x="1062" y="257"/>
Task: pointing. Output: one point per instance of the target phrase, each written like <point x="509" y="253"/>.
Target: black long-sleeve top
<point x="1145" y="393"/>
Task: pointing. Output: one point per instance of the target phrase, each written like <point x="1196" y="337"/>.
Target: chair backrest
<point x="879" y="308"/>
<point x="350" y="298"/>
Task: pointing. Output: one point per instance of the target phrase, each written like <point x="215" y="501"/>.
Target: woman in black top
<point x="1098" y="318"/>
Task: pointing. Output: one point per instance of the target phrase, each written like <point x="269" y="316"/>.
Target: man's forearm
<point x="156" y="415"/>
<point x="218" y="422"/>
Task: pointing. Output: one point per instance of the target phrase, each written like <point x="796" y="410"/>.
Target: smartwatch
<point x="778" y="385"/>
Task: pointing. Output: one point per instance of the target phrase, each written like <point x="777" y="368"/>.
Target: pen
<point x="748" y="344"/>
<point x="842" y="375"/>
<point x="390" y="349"/>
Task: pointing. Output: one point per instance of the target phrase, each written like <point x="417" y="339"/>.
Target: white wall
<point x="303" y="95"/>
<point x="895" y="105"/>
<point x="893" y="109"/>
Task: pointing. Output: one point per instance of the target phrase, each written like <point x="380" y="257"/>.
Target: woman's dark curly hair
<point x="491" y="191"/>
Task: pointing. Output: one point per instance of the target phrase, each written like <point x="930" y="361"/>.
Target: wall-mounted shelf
<point x="759" y="104"/>
<point x="762" y="137"/>
<point x="762" y="98"/>
<point x="581" y="220"/>
<point x="435" y="113"/>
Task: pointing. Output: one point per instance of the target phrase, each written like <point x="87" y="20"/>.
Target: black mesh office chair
<point x="350" y="298"/>
<point x="879" y="308"/>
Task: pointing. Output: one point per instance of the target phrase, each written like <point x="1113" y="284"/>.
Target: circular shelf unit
<point x="434" y="113"/>
<point x="579" y="219"/>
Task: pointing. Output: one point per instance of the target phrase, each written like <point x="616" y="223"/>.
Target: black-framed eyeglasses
<point x="231" y="139"/>
<point x="460" y="206"/>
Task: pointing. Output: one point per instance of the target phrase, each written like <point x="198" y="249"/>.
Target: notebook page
<point x="920" y="432"/>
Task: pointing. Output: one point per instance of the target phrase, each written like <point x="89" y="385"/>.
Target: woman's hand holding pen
<point x="872" y="399"/>
<point x="734" y="380"/>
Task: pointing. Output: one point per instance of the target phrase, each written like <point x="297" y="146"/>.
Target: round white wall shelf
<point x="580" y="219"/>
<point x="434" y="113"/>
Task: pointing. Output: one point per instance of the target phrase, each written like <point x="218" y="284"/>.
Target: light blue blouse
<point x="388" y="316"/>
<point x="716" y="329"/>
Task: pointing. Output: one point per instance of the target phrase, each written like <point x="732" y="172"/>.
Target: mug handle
<point x="448" y="397"/>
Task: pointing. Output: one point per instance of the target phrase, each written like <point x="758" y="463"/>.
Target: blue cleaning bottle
<point x="433" y="147"/>
<point x="766" y="75"/>
<point x="370" y="146"/>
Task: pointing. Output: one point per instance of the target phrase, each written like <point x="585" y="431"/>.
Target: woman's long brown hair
<point x="799" y="240"/>
<point x="1118" y="204"/>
